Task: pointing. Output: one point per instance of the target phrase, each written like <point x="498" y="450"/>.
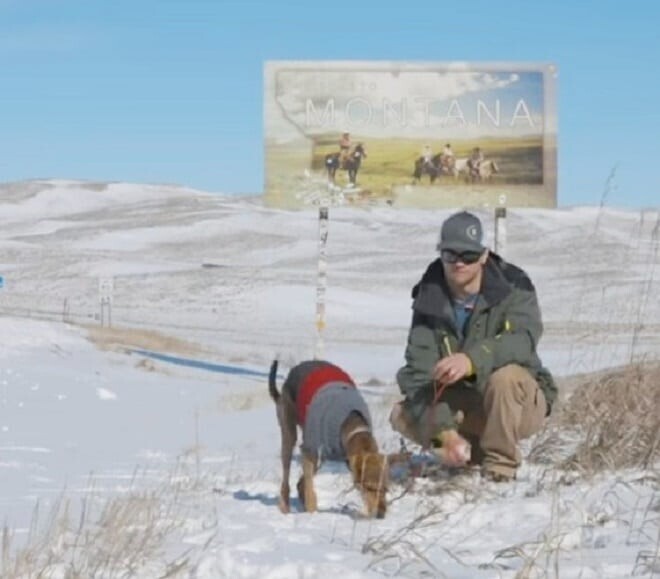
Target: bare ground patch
<point x="121" y="338"/>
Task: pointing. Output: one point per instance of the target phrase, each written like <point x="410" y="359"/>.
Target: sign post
<point x="325" y="195"/>
<point x="322" y="280"/>
<point x="106" y="286"/>
<point x="500" y="227"/>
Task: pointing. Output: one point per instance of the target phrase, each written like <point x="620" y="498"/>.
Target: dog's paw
<point x="310" y="502"/>
<point x="285" y="507"/>
<point x="307" y="501"/>
<point x="301" y="492"/>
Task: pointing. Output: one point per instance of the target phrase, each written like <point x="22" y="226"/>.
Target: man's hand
<point x="454" y="450"/>
<point x="451" y="369"/>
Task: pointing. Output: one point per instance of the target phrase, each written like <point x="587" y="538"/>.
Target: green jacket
<point x="504" y="328"/>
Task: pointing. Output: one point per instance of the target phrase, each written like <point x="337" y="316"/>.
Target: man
<point x="471" y="369"/>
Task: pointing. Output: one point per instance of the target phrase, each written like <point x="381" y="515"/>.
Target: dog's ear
<point x="356" y="466"/>
<point x="383" y="467"/>
<point x="371" y="467"/>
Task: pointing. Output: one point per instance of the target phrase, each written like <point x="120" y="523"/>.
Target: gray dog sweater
<point x="328" y="410"/>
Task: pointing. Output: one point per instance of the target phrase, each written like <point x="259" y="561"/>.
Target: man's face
<point x="461" y="268"/>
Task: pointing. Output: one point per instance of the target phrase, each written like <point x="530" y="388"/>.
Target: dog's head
<point x="370" y="472"/>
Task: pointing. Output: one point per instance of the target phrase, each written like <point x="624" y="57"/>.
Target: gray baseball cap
<point x="461" y="232"/>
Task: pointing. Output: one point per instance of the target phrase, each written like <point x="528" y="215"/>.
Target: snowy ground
<point x="229" y="281"/>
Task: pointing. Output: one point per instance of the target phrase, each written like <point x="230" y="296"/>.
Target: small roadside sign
<point x="106" y="285"/>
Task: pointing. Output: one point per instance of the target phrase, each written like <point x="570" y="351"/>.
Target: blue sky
<point x="170" y="91"/>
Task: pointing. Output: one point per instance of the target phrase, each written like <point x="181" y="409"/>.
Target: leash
<point x="439" y="391"/>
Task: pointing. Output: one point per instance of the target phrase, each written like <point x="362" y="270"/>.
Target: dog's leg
<point x="286" y="415"/>
<point x="307" y="479"/>
<point x="301" y="490"/>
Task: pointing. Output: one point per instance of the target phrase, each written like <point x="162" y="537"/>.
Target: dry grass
<point x="612" y="419"/>
<point x="127" y="534"/>
<point x="119" y="338"/>
<point x="402" y="548"/>
<point x="242" y="401"/>
<point x="122" y="536"/>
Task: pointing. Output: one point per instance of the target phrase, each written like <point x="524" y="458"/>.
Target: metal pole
<point x="322" y="281"/>
<point x="500" y="230"/>
<point x="105" y="299"/>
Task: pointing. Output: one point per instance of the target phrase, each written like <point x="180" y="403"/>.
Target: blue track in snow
<point x="221" y="368"/>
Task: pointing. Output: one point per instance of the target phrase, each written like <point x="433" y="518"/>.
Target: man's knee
<point x="510" y="381"/>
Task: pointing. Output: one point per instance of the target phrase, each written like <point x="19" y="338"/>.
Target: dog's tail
<point x="272" y="379"/>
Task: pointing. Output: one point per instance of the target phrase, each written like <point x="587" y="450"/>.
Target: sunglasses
<point x="466" y="257"/>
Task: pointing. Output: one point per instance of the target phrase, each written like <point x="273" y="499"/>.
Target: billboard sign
<point x="412" y="134"/>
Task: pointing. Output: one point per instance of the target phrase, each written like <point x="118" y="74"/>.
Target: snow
<point x="229" y="281"/>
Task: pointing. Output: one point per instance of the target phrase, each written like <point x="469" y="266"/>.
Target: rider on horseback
<point x="475" y="160"/>
<point x="448" y="160"/>
<point x="427" y="155"/>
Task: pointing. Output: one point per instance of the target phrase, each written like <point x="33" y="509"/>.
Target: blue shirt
<point x="463" y="310"/>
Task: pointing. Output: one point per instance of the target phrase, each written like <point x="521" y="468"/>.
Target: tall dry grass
<point x="611" y="421"/>
<point x="110" y="537"/>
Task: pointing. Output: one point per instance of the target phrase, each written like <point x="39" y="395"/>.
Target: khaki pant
<point x="511" y="409"/>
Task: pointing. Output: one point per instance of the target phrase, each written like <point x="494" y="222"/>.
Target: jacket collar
<point x="432" y="296"/>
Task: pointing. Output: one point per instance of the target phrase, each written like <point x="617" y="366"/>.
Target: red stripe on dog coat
<point x="315" y="381"/>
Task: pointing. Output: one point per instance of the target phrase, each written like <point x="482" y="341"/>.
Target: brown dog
<point x="323" y="400"/>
